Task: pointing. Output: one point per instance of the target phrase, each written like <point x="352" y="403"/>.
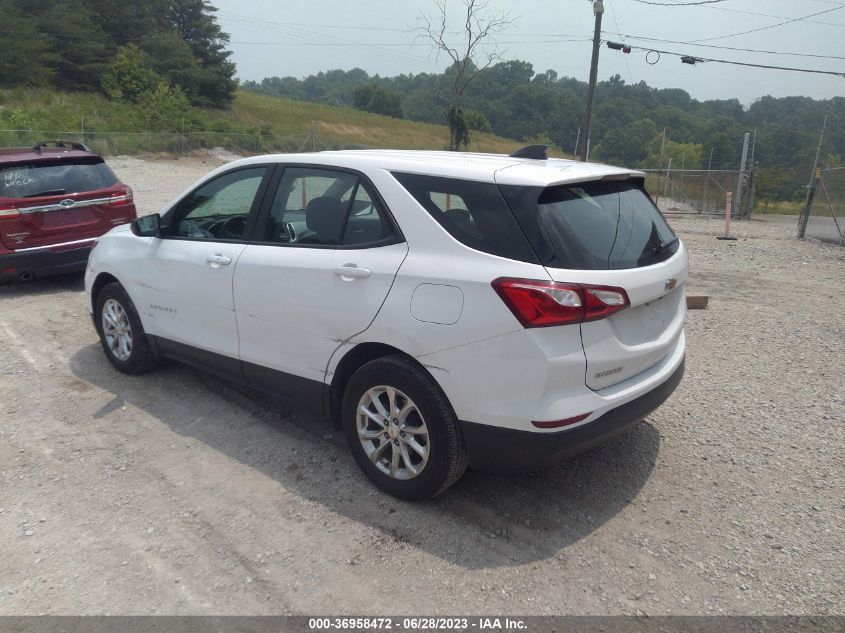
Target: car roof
<point x="30" y="155"/>
<point x="497" y="168"/>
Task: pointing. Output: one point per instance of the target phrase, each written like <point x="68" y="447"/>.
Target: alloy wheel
<point x="393" y="432"/>
<point x="117" y="330"/>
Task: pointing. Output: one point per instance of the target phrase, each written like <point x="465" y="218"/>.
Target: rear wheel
<point x="402" y="430"/>
<point x="121" y="333"/>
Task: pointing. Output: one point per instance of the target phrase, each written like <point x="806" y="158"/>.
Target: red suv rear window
<point x="54" y="178"/>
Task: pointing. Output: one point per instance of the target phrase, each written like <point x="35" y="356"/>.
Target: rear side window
<point x="474" y="213"/>
<point x="323" y="207"/>
<point x="54" y="178"/>
<point x="594" y="225"/>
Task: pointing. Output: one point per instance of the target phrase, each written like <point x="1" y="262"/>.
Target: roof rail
<point x="537" y="152"/>
<point x="66" y="144"/>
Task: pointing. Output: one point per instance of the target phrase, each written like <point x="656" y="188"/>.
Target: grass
<point x="255" y="122"/>
<point x="779" y="207"/>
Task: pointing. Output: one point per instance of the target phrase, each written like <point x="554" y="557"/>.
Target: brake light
<point x="603" y="301"/>
<point x="123" y="198"/>
<point x="8" y="212"/>
<point x="537" y="303"/>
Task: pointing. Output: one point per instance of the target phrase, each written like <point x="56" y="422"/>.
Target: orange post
<point x="727" y="235"/>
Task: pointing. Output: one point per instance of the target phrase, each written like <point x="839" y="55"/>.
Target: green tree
<point x="375" y="98"/>
<point x="165" y="107"/>
<point x="477" y="122"/>
<point x="79" y="44"/>
<point x="196" y="23"/>
<point x="130" y="76"/>
<point x="171" y="57"/>
<point x="25" y="53"/>
<point x="627" y="145"/>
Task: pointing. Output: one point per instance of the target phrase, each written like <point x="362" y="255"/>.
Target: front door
<point x="187" y="295"/>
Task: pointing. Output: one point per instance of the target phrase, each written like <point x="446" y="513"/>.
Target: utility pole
<point x="598" y="10"/>
<point x="811" y="189"/>
<point x="577" y="141"/>
<point x="740" y="187"/>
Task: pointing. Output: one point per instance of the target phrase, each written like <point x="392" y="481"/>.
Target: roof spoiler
<point x="66" y="144"/>
<point x="536" y="152"/>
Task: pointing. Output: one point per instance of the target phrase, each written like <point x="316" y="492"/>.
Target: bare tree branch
<point x="478" y="25"/>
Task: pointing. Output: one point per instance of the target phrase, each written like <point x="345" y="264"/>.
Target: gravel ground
<point x="174" y="493"/>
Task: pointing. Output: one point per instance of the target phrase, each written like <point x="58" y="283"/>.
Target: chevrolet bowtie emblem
<point x="671" y="283"/>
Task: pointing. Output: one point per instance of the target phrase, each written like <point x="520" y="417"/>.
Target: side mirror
<point x="147" y="226"/>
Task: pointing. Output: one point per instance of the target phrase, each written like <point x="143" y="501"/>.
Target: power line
<point x="771" y="26"/>
<point x="727" y="48"/>
<point x="679" y="4"/>
<point x="694" y="60"/>
<point x="616" y="22"/>
<point x="771" y="15"/>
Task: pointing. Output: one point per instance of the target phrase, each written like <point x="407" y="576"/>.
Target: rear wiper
<point x="667" y="244"/>
<point x="49" y="192"/>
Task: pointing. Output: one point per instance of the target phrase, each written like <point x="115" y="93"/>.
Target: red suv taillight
<point x="123" y="198"/>
<point x="537" y="303"/>
<point x="9" y="213"/>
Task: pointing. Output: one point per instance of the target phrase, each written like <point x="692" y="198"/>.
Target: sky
<point x="287" y="38"/>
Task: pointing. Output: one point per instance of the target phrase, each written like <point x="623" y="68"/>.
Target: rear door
<point x="47" y="202"/>
<point x="325" y="257"/>
<point x="609" y="233"/>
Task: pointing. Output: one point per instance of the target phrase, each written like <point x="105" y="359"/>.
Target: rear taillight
<point x="123" y="198"/>
<point x="8" y="213"/>
<point x="537" y="303"/>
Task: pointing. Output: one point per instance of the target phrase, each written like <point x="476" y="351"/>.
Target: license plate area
<point x="53" y="220"/>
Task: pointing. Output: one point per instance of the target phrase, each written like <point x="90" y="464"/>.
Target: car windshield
<point x="595" y="225"/>
<point x="54" y="178"/>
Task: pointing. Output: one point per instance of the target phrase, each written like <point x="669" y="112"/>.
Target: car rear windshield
<point x="474" y="213"/>
<point x="593" y="225"/>
<point x="54" y="178"/>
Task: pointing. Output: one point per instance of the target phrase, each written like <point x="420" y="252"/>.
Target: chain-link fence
<point x="826" y="221"/>
<point x="177" y="144"/>
<point x="692" y="191"/>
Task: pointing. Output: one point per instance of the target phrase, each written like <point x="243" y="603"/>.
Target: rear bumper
<point x="500" y="449"/>
<point x="51" y="260"/>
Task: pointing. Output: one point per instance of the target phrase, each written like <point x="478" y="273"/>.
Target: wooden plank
<point x="697" y="302"/>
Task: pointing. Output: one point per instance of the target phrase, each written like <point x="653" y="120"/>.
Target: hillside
<point x="254" y="120"/>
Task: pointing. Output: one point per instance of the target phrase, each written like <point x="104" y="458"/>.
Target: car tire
<point x="114" y="316"/>
<point x="419" y="452"/>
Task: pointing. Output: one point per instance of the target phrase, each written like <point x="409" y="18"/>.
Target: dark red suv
<point x="55" y="199"/>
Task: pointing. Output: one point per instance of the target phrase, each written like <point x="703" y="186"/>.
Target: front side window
<point x="219" y="209"/>
<point x="322" y="207"/>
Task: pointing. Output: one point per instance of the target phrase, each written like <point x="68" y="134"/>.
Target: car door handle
<point x="218" y="260"/>
<point x="351" y="271"/>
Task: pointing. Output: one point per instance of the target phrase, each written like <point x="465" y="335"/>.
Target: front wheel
<point x="121" y="333"/>
<point x="402" y="430"/>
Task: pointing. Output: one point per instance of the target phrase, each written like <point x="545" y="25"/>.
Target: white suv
<point x="444" y="309"/>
